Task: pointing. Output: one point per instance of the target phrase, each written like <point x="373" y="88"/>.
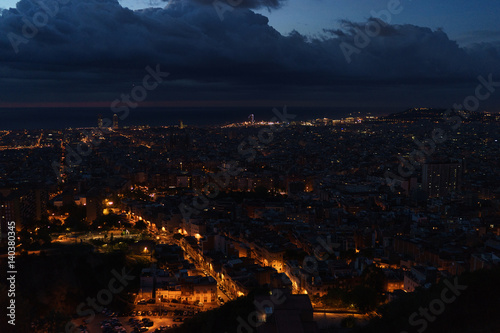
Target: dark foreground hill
<point x="444" y="310"/>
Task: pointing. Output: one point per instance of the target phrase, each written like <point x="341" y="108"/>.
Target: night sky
<point x="264" y="52"/>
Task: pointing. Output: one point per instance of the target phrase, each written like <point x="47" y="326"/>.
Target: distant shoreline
<point x="65" y="118"/>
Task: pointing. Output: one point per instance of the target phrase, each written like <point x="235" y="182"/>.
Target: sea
<point x="61" y="118"/>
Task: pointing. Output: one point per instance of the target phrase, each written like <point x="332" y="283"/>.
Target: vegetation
<point x="76" y="218"/>
<point x="107" y="222"/>
<point x="348" y="322"/>
<point x="140" y="225"/>
<point x="365" y="297"/>
<point x="136" y="194"/>
<point x="52" y="286"/>
<point x="178" y="236"/>
<point x="475" y="310"/>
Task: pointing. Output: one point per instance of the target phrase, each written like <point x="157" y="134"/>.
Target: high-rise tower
<point x="99" y="121"/>
<point x="115" y="121"/>
<point x="442" y="178"/>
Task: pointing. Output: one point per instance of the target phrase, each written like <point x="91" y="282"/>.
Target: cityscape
<point x="211" y="166"/>
<point x="205" y="216"/>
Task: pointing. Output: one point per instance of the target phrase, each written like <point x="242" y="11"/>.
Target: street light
<point x="159" y="298"/>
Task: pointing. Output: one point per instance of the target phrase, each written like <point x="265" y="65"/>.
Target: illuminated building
<point x="440" y="179"/>
<point x="115" y="121"/>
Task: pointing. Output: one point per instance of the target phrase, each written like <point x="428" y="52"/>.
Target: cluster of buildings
<point x="178" y="285"/>
<point x="307" y="212"/>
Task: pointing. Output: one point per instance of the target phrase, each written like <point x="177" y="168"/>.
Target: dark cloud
<point x="251" y="4"/>
<point x="349" y="28"/>
<point x="96" y="48"/>
<point x="474" y="37"/>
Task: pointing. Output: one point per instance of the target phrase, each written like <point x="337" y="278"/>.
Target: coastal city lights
<point x="249" y="166"/>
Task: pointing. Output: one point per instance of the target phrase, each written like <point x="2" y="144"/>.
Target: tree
<point x="334" y="298"/>
<point x="367" y="296"/>
<point x="364" y="298"/>
<point x="76" y="219"/>
<point x="44" y="236"/>
<point x="107" y="222"/>
<point x="374" y="277"/>
<point x="348" y="322"/>
<point x="140" y="225"/>
<point x="261" y="192"/>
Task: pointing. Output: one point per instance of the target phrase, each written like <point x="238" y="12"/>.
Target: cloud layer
<point x="92" y="46"/>
<point x="253" y="4"/>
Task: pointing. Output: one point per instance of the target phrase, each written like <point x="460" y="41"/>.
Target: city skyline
<point x="256" y="166"/>
<point x="349" y="217"/>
